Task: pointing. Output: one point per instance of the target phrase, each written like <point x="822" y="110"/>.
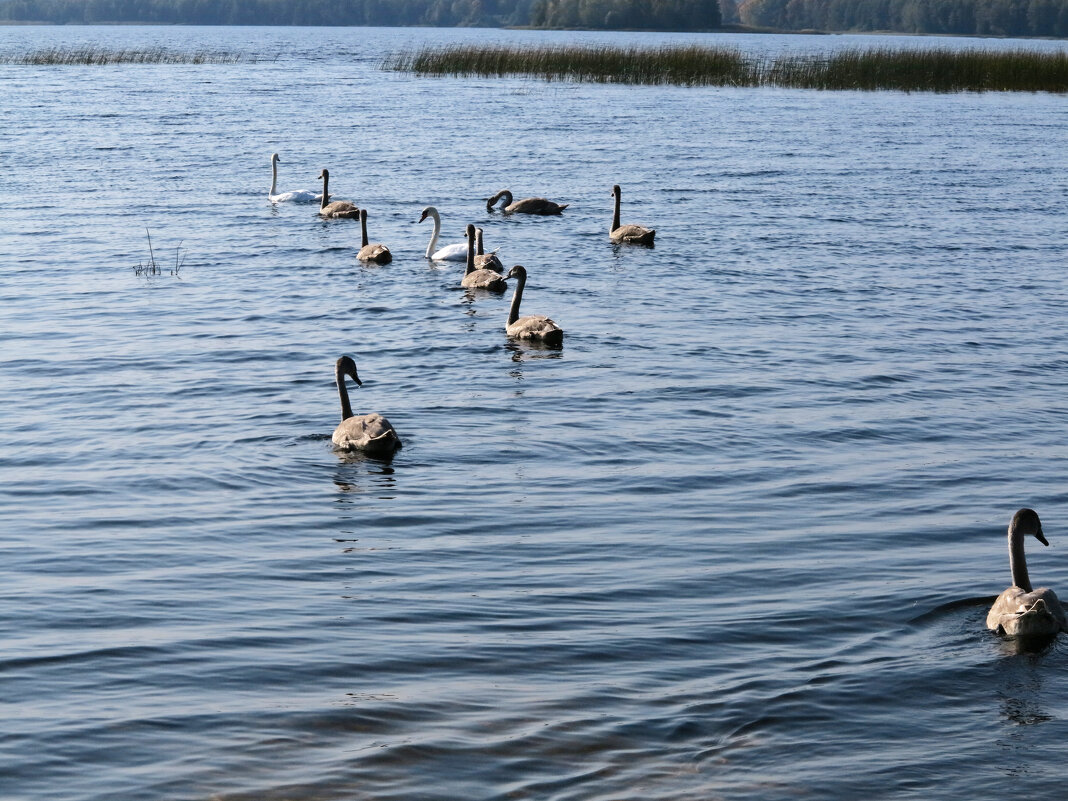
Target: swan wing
<point x="376" y="252"/>
<point x="535" y="326"/>
<point x="484" y="279"/>
<point x="298" y="196"/>
<point x="638" y="234"/>
<point x="340" y="210"/>
<point x="1019" y="613"/>
<point x="535" y="205"/>
<point x="489" y="261"/>
<point x="457" y="252"/>
<point x="366" y="432"/>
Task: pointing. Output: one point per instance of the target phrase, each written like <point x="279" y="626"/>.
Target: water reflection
<point x="350" y="483"/>
<point x="524" y="350"/>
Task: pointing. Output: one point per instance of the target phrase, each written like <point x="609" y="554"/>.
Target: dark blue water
<point x="734" y="540"/>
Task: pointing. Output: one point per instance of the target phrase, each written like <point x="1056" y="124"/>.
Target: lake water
<point x="734" y="540"/>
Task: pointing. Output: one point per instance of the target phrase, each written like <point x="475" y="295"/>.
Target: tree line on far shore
<point x="967" y="17"/>
<point x="604" y="14"/>
<point x="974" y="17"/>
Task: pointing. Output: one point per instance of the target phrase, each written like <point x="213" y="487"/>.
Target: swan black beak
<point x="1041" y="538"/>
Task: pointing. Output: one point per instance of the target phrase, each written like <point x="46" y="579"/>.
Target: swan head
<point x="519" y="271"/>
<point x="324" y="174"/>
<point x="429" y="211"/>
<point x="274" y="158"/>
<point x="616" y="191"/>
<point x="469" y="232"/>
<point x="347" y="367"/>
<point x="363" y="215"/>
<point x="1025" y="522"/>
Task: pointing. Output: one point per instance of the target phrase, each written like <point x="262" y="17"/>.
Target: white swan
<point x="371" y="433"/>
<point x="628" y="234"/>
<point x="372" y="251"/>
<point x="339" y="209"/>
<point x="299" y="196"/>
<point x="483" y="260"/>
<point x="475" y="278"/>
<point x="534" y="326"/>
<point x="457" y="252"/>
<point x="1021" y="611"/>
<point x="528" y="205"/>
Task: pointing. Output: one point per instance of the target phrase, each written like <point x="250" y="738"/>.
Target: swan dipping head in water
<point x="1021" y="611"/>
<point x="370" y="433"/>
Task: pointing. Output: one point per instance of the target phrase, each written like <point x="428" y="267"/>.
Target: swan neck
<point x="517" y="298"/>
<point x="470" y="255"/>
<point x="478" y="244"/>
<point x="343" y="393"/>
<point x="507" y="199"/>
<point x="1017" y="562"/>
<point x="274" y="178"/>
<point x="363" y="229"/>
<point x="615" y="214"/>
<point x="434" y="236"/>
<point x="326" y="192"/>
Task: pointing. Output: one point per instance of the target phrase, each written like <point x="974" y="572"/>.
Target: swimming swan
<point x="475" y="278"/>
<point x="339" y="209"/>
<point x="457" y="252"/>
<point x="371" y="433"/>
<point x="483" y="260"/>
<point x="376" y="251"/>
<point x="300" y="196"/>
<point x="529" y="205"/>
<point x="534" y="326"/>
<point x="628" y="234"/>
<point x="1021" y="611"/>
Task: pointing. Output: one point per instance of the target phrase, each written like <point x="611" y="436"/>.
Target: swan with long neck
<point x="475" y="278"/>
<point x="483" y="260"/>
<point x="373" y="251"/>
<point x="1021" y="611"/>
<point x="338" y="209"/>
<point x="628" y="234"/>
<point x="528" y="205"/>
<point x="534" y="326"/>
<point x="455" y="252"/>
<point x="371" y="433"/>
<point x="298" y="196"/>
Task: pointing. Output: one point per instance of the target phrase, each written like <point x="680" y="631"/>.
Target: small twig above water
<point x="152" y="267"/>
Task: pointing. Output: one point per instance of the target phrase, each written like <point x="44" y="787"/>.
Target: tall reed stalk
<point x="936" y="69"/>
<point x="97" y="55"/>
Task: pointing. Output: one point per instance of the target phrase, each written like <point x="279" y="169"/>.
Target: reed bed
<point x="909" y="70"/>
<point x="96" y="55"/>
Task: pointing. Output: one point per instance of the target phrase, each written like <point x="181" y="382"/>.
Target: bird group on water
<point x="372" y="433"/>
<point x="1019" y="612"/>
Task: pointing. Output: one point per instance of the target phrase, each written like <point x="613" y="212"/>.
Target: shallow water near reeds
<point x="734" y="540"/>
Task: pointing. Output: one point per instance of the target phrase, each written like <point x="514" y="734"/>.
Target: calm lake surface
<point x="735" y="540"/>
